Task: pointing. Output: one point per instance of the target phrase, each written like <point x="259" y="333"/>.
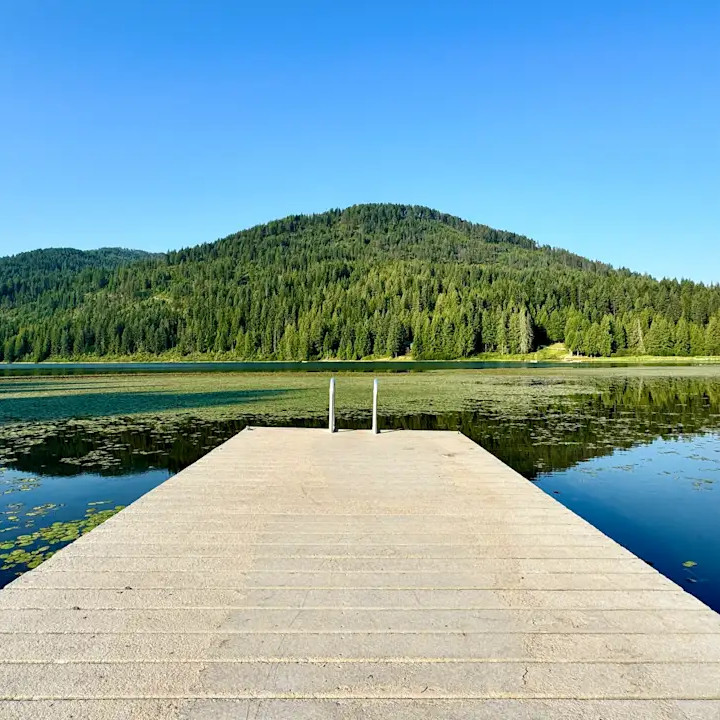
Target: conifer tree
<point x="605" y="337"/>
<point x="682" y="344"/>
<point x="712" y="336"/>
<point x="659" y="337"/>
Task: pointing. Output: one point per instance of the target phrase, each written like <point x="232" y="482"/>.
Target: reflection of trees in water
<point x="626" y="413"/>
<point x="120" y="446"/>
<point x="554" y="437"/>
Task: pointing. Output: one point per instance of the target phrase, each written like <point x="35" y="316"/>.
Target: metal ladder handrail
<point x="331" y="410"/>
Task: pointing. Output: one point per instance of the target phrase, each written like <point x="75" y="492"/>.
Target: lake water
<point x="639" y="460"/>
<point x="661" y="500"/>
<point x="370" y="366"/>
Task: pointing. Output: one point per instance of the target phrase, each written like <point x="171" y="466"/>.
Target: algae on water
<point x="21" y="555"/>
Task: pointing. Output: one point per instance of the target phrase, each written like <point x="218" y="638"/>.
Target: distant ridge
<point x="98" y="255"/>
<point x="70" y="259"/>
<point x="369" y="280"/>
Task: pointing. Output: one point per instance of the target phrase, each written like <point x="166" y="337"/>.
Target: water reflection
<point x="39" y="514"/>
<point x="638" y="459"/>
<point x="661" y="501"/>
<point x="533" y="440"/>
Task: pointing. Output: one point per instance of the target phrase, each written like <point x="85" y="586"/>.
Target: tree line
<point x="371" y="280"/>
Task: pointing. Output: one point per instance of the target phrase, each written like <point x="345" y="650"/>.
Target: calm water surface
<point x="644" y="467"/>
<point x="374" y="366"/>
<point x="47" y="510"/>
<point x="661" y="500"/>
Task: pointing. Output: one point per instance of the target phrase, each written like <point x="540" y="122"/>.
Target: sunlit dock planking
<point x="301" y="574"/>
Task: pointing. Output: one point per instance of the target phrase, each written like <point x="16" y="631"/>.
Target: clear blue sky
<point x="592" y="126"/>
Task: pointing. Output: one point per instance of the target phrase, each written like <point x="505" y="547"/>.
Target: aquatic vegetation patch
<point x="535" y="420"/>
<point x="9" y="486"/>
<point x="102" y="458"/>
<point x="26" y="552"/>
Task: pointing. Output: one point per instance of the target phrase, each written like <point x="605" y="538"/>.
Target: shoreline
<point x="672" y="360"/>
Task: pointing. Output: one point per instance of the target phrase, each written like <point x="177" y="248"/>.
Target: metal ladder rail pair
<point x="331" y="419"/>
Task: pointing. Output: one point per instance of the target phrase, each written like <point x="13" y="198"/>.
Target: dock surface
<point x="294" y="574"/>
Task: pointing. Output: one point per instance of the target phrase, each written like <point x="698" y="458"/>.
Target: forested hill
<point x="27" y="276"/>
<point x="369" y="280"/>
<point x="53" y="259"/>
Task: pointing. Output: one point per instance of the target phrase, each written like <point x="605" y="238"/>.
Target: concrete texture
<point x="297" y="574"/>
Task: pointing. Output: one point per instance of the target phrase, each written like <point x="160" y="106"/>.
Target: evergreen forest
<point x="375" y="280"/>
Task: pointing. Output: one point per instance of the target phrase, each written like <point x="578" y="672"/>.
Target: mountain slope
<point x="51" y="259"/>
<point x="368" y="280"/>
<point x="26" y="276"/>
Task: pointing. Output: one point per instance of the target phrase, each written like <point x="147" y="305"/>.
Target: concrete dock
<point x="304" y="575"/>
